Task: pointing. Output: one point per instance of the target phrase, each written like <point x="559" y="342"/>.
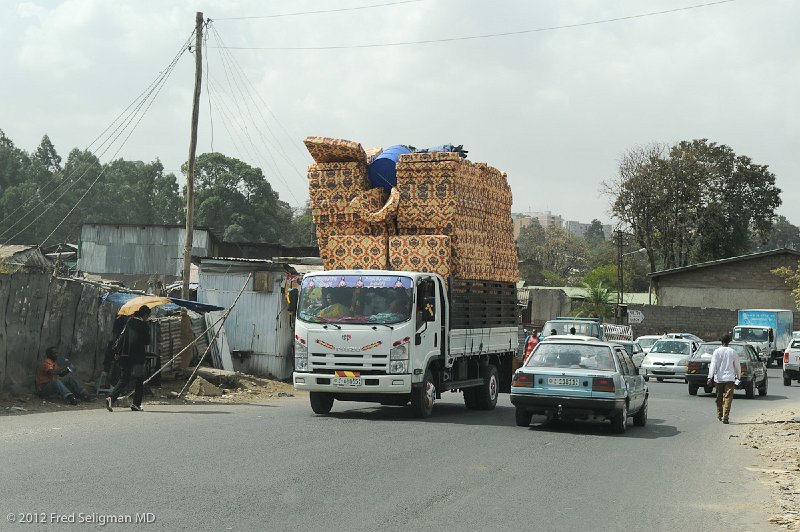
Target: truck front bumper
<point x="370" y="384"/>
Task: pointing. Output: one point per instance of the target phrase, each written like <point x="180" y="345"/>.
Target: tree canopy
<point x="694" y="201"/>
<point x="39" y="192"/>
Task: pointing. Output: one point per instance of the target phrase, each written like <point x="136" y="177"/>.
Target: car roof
<point x="580" y="337"/>
<point x="687" y="340"/>
<point x="649" y="336"/>
<point x="571" y="340"/>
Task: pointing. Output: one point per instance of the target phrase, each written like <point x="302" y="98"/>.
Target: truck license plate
<point x="563" y="381"/>
<point x="347" y="378"/>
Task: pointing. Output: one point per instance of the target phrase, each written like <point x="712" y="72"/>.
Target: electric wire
<point x="480" y="36"/>
<point x="322" y="11"/>
<point x="108" y="142"/>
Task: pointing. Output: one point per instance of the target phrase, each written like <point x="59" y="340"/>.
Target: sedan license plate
<point x="563" y="381"/>
<point x="347" y="378"/>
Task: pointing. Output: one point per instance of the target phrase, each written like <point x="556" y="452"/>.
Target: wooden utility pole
<point x="186" y="325"/>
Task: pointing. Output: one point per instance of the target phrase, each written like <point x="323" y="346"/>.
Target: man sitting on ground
<point x="52" y="379"/>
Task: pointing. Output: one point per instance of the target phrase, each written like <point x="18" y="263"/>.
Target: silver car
<point x="668" y="359"/>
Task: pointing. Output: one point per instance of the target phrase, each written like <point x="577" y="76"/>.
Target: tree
<point x="782" y="235"/>
<point x="47" y="155"/>
<point x="693" y="201"/>
<point x="597" y="302"/>
<point x="235" y="199"/>
<point x="595" y="234"/>
<point x="792" y="279"/>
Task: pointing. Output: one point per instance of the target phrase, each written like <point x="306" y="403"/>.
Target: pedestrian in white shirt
<point x="723" y="372"/>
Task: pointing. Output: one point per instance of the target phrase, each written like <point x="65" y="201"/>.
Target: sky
<point x="555" y="108"/>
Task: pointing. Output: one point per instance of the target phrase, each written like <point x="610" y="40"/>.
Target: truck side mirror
<point x="771" y="336"/>
<point x="294" y="295"/>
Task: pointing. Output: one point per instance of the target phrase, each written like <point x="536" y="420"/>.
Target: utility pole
<point x="186" y="325"/>
<point x="620" y="279"/>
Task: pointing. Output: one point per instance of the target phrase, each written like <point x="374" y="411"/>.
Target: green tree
<point x="47" y="155"/>
<point x="597" y="301"/>
<point x="235" y="199"/>
<point x="792" y="279"/>
<point x="782" y="235"/>
<point x="693" y="201"/>
<point x="595" y="234"/>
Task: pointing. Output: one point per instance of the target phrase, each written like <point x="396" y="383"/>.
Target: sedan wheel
<point x="693" y="389"/>
<point x="762" y="390"/>
<point x="750" y="391"/>
<point x="659" y="379"/>
<point x="620" y="422"/>
<point x="708" y="389"/>
<point x="640" y="417"/>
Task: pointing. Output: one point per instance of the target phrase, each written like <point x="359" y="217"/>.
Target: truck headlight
<point x="398" y="366"/>
<point x="683" y="362"/>
<point x="300" y="356"/>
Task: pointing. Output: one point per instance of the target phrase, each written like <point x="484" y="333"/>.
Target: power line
<point x="476" y="37"/>
<point x="322" y="11"/>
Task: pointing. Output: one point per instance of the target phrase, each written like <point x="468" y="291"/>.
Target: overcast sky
<point x="555" y="109"/>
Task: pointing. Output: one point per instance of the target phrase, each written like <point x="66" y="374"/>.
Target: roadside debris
<point x="776" y="437"/>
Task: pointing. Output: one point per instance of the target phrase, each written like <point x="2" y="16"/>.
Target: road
<point x="277" y="466"/>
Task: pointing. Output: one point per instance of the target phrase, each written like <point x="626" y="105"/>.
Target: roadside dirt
<point x="248" y="389"/>
<point x="776" y="437"/>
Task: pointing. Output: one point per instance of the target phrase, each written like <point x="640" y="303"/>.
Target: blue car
<point x="569" y="379"/>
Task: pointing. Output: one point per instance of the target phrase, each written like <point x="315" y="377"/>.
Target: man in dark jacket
<point x="135" y="338"/>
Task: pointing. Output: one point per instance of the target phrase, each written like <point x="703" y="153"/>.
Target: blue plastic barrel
<point x="382" y="171"/>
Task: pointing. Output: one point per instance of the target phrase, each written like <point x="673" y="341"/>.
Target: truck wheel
<point x="750" y="391"/>
<point x="620" y="422"/>
<point x="321" y="402"/>
<point x="487" y="394"/>
<point x="787" y="381"/>
<point x="423" y="397"/>
<point x="693" y="389"/>
<point x="522" y="417"/>
<point x="471" y="398"/>
<point x="640" y="417"/>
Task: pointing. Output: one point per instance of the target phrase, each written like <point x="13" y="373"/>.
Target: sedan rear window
<point x="705" y="351"/>
<point x="553" y="355"/>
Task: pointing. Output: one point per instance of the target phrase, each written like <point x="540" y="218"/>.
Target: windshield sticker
<point x="356" y="281"/>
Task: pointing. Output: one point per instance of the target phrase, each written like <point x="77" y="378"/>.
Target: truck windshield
<point x="379" y="299"/>
<point x="749" y="334"/>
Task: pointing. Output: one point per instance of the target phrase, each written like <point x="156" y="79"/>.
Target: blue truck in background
<point x="768" y="330"/>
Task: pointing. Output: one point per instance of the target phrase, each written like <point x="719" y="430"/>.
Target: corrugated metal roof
<point x="725" y="261"/>
<point x="8" y="251"/>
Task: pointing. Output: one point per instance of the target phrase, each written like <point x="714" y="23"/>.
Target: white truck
<point x="399" y="337"/>
<point x="769" y="331"/>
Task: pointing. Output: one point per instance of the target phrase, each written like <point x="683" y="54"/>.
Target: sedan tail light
<point x="603" y="384"/>
<point x="522" y="380"/>
<point x="744" y="368"/>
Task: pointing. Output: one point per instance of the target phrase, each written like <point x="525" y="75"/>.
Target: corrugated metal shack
<point x="138" y="254"/>
<point x="259" y="329"/>
<point x="18" y="257"/>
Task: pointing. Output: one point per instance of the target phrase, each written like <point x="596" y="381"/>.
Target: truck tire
<point x="487" y="394"/>
<point x="522" y="417"/>
<point x="471" y="398"/>
<point x="787" y="381"/>
<point x="693" y="389"/>
<point x="321" y="402"/>
<point x="423" y="397"/>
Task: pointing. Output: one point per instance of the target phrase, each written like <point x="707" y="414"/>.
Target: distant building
<point x="579" y="228"/>
<point x="545" y="219"/>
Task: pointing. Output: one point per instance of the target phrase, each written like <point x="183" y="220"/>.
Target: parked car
<point x="791" y="363"/>
<point x="668" y="358"/>
<point x="647" y="341"/>
<point x="574" y="379"/>
<point x="795" y="335"/>
<point x="634" y="350"/>
<point x="754" y="371"/>
<point x="685" y="335"/>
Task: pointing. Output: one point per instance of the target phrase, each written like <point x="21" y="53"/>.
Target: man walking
<point x="724" y="370"/>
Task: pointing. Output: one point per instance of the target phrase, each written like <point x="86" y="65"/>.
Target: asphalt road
<point x="277" y="466"/>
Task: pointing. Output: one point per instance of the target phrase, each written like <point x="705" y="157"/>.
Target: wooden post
<point x="186" y="326"/>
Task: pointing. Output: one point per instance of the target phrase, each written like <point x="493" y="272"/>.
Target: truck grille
<point x="367" y="364"/>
